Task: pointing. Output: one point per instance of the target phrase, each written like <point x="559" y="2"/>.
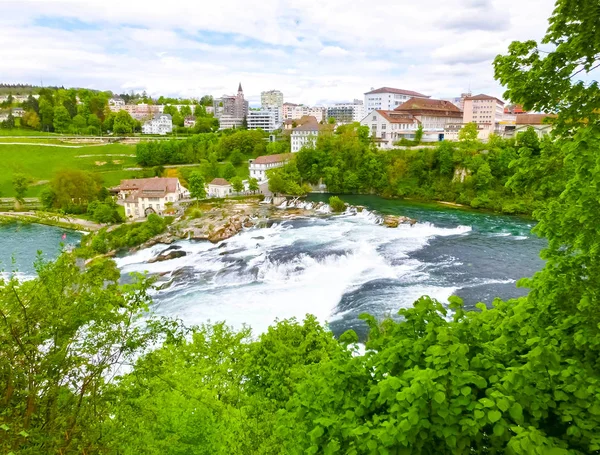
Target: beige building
<point x="487" y="112"/>
<point x="297" y="111"/>
<point x="434" y="116"/>
<point x="304" y="135"/>
<point x="219" y="188"/>
<point x="541" y="123"/>
<point x="388" y="127"/>
<point x="141" y="197"/>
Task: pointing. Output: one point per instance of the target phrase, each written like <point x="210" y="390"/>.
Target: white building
<point x="271" y="98"/>
<point x="116" y="103"/>
<point x="304" y="136"/>
<point x="260" y="166"/>
<point x="230" y="122"/>
<point x="263" y="119"/>
<point x="347" y="112"/>
<point x="387" y="127"/>
<point x="297" y="111"/>
<point x="388" y="99"/>
<point x="160" y="124"/>
<point x="219" y="188"/>
<point x="142" y="197"/>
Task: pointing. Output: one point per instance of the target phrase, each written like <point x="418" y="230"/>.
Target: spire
<point x="240" y="88"/>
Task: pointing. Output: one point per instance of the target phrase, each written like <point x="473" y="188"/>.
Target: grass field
<point x="42" y="162"/>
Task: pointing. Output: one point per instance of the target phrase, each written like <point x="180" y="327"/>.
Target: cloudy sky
<point x="313" y="51"/>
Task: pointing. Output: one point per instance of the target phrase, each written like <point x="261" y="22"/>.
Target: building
<point x="227" y="122"/>
<point x="189" y="121"/>
<point x="263" y="119"/>
<point x="515" y="109"/>
<point x="433" y="115"/>
<point x="304" y="136"/>
<point x="18" y="112"/>
<point x="259" y="166"/>
<point x="346" y="112"/>
<point x="388" y="127"/>
<point x="219" y="188"/>
<point x="160" y="124"/>
<point x="541" y="123"/>
<point x="140" y="111"/>
<point x="142" y="197"/>
<point x="233" y="106"/>
<point x="388" y="99"/>
<point x="271" y="98"/>
<point x="296" y="111"/>
<point x="116" y="103"/>
<point x="487" y="112"/>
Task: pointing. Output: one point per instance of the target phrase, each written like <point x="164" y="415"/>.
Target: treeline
<point x="233" y="145"/>
<point x="467" y="172"/>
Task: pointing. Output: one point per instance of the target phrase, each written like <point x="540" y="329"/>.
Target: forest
<point x="85" y="370"/>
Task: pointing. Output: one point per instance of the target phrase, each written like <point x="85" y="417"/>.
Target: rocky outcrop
<point x="173" y="252"/>
<point x="393" y="221"/>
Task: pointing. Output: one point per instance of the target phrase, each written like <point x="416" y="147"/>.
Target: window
<point x="383" y="126"/>
<point x="374" y="118"/>
<point x="383" y="135"/>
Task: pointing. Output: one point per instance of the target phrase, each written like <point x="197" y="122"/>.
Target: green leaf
<point x="516" y="412"/>
<point x="503" y="404"/>
<point x="498" y="429"/>
<point x="479" y="414"/>
<point x="439" y="397"/>
<point x="487" y="402"/>
<point x="465" y="390"/>
<point x="4" y="427"/>
<point x="494" y="415"/>
<point x="24" y="434"/>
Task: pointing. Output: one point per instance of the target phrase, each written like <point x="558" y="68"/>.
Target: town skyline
<point x="333" y="54"/>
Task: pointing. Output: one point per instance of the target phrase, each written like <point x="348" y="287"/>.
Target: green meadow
<point x="41" y="162"/>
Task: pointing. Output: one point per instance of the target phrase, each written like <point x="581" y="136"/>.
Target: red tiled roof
<point x="309" y="126"/>
<point x="397" y="91"/>
<point x="219" y="182"/>
<point x="533" y="119"/>
<point x="481" y="96"/>
<point x="166" y="185"/>
<point x="270" y="159"/>
<point x="418" y="106"/>
<point x="396" y="117"/>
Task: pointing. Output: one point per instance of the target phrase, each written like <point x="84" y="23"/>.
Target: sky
<point x="315" y="52"/>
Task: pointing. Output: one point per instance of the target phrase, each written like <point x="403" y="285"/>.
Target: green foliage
<point x="229" y="171"/>
<point x="336" y="204"/>
<point x="253" y="185"/>
<point x="196" y="185"/>
<point x="468" y="133"/>
<point x="419" y="133"/>
<point x="237" y="184"/>
<point x="73" y="190"/>
<point x="286" y="180"/>
<point x="21" y="185"/>
<point x="104" y="212"/>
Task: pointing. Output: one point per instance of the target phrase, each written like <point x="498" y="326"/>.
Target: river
<point x="337" y="267"/>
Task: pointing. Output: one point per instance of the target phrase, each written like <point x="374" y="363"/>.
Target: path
<point x="52" y="145"/>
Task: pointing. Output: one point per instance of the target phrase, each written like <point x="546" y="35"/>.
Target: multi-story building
<point x="160" y="124"/>
<point x="234" y="106"/>
<point x="433" y="115"/>
<point x="541" y="123"/>
<point x="263" y="119"/>
<point x="487" y="112"/>
<point x="304" y="135"/>
<point x="297" y="111"/>
<point x="388" y="99"/>
<point x="140" y="111"/>
<point x="142" y="197"/>
<point x="346" y="112"/>
<point x="388" y="127"/>
<point x="227" y="122"/>
<point x="271" y="98"/>
<point x="259" y="166"/>
<point x="459" y="101"/>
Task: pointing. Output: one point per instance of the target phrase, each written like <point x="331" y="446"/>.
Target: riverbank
<point x="51" y="219"/>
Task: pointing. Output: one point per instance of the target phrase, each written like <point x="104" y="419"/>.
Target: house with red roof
<point x="141" y="197"/>
<point x="259" y="166"/>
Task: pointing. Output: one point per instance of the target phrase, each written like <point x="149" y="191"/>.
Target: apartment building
<point x="264" y="119"/>
<point x="297" y="111"/>
<point x="487" y="112"/>
<point x="160" y="124"/>
<point x="388" y="99"/>
<point x="346" y="112"/>
<point x="304" y="135"/>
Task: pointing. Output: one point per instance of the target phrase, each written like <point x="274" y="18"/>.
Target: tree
<point x="104" y="212"/>
<point x="253" y="185"/>
<point x="123" y="123"/>
<point x="61" y="119"/>
<point x="419" y="134"/>
<point x="9" y="123"/>
<point x="237" y="184"/>
<point x="79" y="122"/>
<point x="244" y="125"/>
<point x="331" y="120"/>
<point x="31" y="119"/>
<point x="197" y="185"/>
<point x="46" y="114"/>
<point x="21" y="185"/>
<point x="229" y="171"/>
<point x="56" y="398"/>
<point x="468" y="133"/>
<point x="336" y="204"/>
<point x="236" y="157"/>
<point x="185" y="111"/>
<point x="74" y="189"/>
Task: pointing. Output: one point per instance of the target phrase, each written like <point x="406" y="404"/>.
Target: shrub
<point x="336" y="204"/>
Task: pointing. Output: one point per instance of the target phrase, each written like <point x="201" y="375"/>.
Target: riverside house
<point x="259" y="166"/>
<point x="219" y="188"/>
<point x="141" y="197"/>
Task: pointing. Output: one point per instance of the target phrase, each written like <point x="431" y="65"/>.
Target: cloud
<point x="335" y="52"/>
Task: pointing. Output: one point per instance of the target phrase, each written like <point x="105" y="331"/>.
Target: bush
<point x="336" y="204"/>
